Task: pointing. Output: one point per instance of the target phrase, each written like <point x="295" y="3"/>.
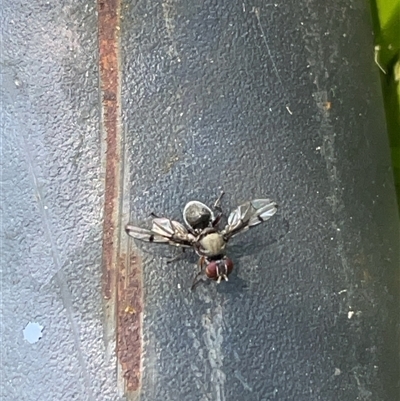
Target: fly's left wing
<point x="175" y="231"/>
<point x="248" y="215"/>
<point x="163" y="230"/>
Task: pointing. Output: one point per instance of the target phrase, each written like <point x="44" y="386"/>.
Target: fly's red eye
<point x="211" y="270"/>
<point x="229" y="265"/>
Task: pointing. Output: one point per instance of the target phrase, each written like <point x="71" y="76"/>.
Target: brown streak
<point x="109" y="78"/>
<point x="121" y="284"/>
<point x="129" y="321"/>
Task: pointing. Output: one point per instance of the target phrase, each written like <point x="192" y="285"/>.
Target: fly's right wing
<point x="248" y="215"/>
<point x="163" y="231"/>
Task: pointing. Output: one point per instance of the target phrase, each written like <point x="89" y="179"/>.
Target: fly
<point x="202" y="232"/>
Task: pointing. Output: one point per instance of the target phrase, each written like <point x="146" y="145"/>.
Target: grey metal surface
<point x="52" y="201"/>
<point x="279" y="100"/>
<point x="259" y="99"/>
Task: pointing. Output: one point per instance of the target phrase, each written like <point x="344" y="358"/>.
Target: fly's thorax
<point x="213" y="244"/>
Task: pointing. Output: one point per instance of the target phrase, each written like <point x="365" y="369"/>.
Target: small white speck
<point x="342" y="291"/>
<point x="337" y="372"/>
<point x="350" y="314"/>
<point x="179" y="286"/>
<point x="344" y="35"/>
<point x="290" y="111"/>
<point x="318" y="148"/>
<point x="331" y="238"/>
<point x="33" y="332"/>
<point x="338" y="229"/>
<point x="45" y="207"/>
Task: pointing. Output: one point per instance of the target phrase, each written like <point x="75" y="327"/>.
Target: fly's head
<point x="219" y="269"/>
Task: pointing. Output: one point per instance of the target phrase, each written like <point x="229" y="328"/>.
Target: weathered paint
<point x="122" y="285"/>
<point x="129" y="321"/>
<point x="109" y="80"/>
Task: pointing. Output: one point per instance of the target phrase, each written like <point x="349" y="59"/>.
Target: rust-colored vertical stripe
<point x="121" y="276"/>
<point x="109" y="80"/>
<point x="129" y="321"/>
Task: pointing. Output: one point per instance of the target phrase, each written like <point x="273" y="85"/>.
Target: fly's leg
<point x="217" y="203"/>
<point x="177" y="257"/>
<point x="217" y="207"/>
<point x="152" y="214"/>
<point x="198" y="279"/>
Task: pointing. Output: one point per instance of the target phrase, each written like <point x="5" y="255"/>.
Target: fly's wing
<point x="175" y="231"/>
<point x="163" y="231"/>
<point x="248" y="215"/>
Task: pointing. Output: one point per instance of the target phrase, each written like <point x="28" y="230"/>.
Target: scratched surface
<point x="52" y="203"/>
<point x="264" y="100"/>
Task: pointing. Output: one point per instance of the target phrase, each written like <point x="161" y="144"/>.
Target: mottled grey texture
<point x="52" y="202"/>
<point x="280" y="100"/>
<point x="230" y="95"/>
